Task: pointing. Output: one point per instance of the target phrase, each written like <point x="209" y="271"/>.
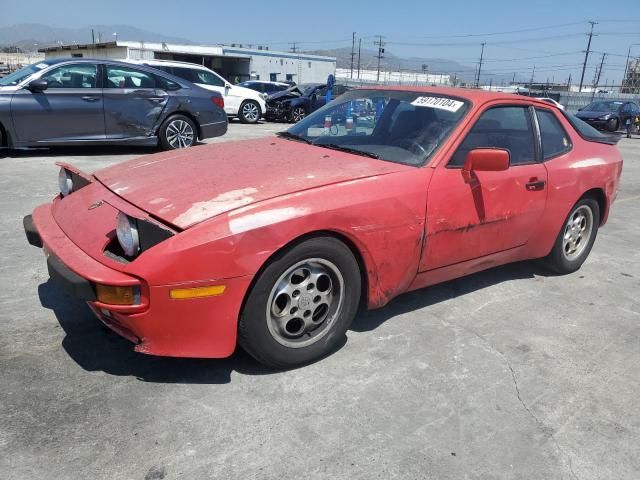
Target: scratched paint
<point x="226" y="201"/>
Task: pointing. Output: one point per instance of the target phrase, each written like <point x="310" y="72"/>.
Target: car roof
<point x="55" y="61"/>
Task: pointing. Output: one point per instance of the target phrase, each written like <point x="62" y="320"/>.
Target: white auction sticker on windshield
<point x="438" y="102"/>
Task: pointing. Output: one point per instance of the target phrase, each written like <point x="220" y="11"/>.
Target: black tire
<point x="1" y="137"/>
<point x="167" y="133"/>
<point x="558" y="260"/>
<point x="612" y="125"/>
<point x="249" y="112"/>
<point x="297" y="114"/>
<point x="256" y="330"/>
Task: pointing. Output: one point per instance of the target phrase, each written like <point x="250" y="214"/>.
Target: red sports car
<point x="275" y="243"/>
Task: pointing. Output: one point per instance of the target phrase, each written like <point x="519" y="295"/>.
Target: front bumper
<point x="159" y="325"/>
<point x="277" y="111"/>
<point x="596" y="122"/>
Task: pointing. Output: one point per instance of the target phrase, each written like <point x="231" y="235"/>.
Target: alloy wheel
<point x="577" y="232"/>
<point x="180" y="134"/>
<point x="305" y="302"/>
<point x="298" y="114"/>
<point x="250" y="112"/>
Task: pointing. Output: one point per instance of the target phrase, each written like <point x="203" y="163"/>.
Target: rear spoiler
<point x="590" y="134"/>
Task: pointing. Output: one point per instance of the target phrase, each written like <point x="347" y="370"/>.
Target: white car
<point x="551" y="101"/>
<point x="244" y="103"/>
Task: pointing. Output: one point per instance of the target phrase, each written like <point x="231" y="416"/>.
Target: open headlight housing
<point x="127" y="233"/>
<point x="65" y="182"/>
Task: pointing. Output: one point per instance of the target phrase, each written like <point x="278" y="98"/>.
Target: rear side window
<point x="166" y="84"/>
<point x="587" y="132"/>
<point x="126" y="77"/>
<point x="555" y="140"/>
<point x="507" y="128"/>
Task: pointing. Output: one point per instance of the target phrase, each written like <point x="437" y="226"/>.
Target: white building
<point x="394" y="77"/>
<point x="235" y="63"/>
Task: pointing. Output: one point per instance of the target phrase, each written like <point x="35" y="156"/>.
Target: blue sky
<point x="411" y="28"/>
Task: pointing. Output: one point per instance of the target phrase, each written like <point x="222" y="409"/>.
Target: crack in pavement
<point x="541" y="425"/>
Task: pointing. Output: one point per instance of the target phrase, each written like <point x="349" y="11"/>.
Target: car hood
<point x="284" y="95"/>
<point x="186" y="187"/>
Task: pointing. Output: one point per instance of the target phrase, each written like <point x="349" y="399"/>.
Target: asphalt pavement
<point x="511" y="373"/>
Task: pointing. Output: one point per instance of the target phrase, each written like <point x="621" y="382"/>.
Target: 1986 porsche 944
<point x="275" y="243"/>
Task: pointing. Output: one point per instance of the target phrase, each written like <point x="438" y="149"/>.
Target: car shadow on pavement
<point x="94" y="347"/>
<point x="77" y="151"/>
<point x="425" y="297"/>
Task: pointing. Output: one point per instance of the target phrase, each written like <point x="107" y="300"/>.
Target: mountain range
<point x="31" y="37"/>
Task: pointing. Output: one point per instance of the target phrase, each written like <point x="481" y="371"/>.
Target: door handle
<point x="90" y="99"/>
<point x="534" y="184"/>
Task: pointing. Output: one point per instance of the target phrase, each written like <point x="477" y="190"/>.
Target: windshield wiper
<point x="341" y="148"/>
<point x="293" y="136"/>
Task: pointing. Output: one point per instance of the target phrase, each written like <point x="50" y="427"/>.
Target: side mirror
<point x="580" y="109"/>
<point x="37" y="85"/>
<point x="485" y="160"/>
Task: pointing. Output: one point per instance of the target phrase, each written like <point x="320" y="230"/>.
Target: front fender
<point x="385" y="227"/>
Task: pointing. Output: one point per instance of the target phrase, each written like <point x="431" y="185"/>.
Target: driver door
<point x="71" y="108"/>
<point x="497" y="211"/>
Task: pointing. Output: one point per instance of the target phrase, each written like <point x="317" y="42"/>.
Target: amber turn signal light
<point x="115" y="295"/>
<point x="196" y="292"/>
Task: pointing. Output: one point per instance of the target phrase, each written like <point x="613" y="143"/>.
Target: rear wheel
<point x="301" y="304"/>
<point x="249" y="112"/>
<point x="612" y="125"/>
<point x="576" y="237"/>
<point x="177" y="131"/>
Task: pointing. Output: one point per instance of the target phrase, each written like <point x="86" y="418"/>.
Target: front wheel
<point x="297" y="114"/>
<point x="576" y="237"/>
<point x="249" y="112"/>
<point x="301" y="304"/>
<point x="612" y="125"/>
<point x="177" y="132"/>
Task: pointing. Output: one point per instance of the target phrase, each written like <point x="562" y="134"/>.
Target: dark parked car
<point x="264" y="87"/>
<point x="90" y="102"/>
<point x="608" y="115"/>
<point x="297" y="102"/>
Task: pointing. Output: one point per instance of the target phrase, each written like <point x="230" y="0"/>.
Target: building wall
<point x="301" y="68"/>
<point x="112" y="53"/>
<point x="232" y="62"/>
<point x="14" y="61"/>
<point x="393" y="77"/>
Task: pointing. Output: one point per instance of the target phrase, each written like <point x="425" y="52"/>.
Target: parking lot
<point x="507" y="374"/>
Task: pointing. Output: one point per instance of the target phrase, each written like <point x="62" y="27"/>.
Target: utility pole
<point x="569" y="83"/>
<point x="359" y="48"/>
<point x="93" y="36"/>
<point x="514" y="79"/>
<point x="586" y="54"/>
<point x="533" y="73"/>
<point x="294" y="47"/>
<point x="380" y="44"/>
<point x="353" y="52"/>
<point x="480" y="65"/>
<point x="599" y="71"/>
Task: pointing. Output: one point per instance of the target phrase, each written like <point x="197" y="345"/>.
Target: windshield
<point x="402" y="127"/>
<point x="16" y="77"/>
<point x="603" y="107"/>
